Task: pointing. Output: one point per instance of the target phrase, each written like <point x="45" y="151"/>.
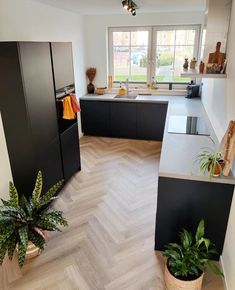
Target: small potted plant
<point x="211" y="162"/>
<point x="186" y="261"/>
<point x="23" y="221"/>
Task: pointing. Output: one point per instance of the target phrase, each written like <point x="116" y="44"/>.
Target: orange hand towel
<point x="68" y="113"/>
<point x="75" y="104"/>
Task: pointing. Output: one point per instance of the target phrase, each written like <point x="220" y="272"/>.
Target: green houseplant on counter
<point x="23" y="221"/>
<point x="211" y="162"/>
<point x="186" y="261"/>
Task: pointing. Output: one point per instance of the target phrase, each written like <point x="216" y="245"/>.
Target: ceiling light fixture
<point x="130" y="6"/>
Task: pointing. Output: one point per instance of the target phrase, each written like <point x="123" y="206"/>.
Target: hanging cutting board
<point x="227" y="147"/>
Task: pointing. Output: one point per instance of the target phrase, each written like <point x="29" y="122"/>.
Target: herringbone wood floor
<point x="111" y="207"/>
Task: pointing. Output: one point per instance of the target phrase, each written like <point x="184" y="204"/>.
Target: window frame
<point x="110" y="47"/>
<point x="152" y="44"/>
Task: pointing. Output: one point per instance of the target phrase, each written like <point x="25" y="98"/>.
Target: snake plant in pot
<point x="187" y="260"/>
<point x="23" y="221"/>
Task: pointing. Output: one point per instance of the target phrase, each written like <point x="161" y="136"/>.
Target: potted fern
<point x="23" y="221"/>
<point x="211" y="162"/>
<point x="186" y="261"/>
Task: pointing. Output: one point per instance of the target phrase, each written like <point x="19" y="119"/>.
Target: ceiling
<point x="94" y="7"/>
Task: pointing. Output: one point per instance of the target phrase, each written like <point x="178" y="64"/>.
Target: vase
<point x="193" y="63"/>
<point x="202" y="67"/>
<point x="185" y="66"/>
<point x="90" y="88"/>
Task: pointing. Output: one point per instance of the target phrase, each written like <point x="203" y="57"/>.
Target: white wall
<point x="217" y="25"/>
<point x="218" y="97"/>
<point x="96" y="34"/>
<point x="5" y="170"/>
<point x="25" y="20"/>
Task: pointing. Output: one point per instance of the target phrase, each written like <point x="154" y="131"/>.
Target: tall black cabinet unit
<point x="62" y="62"/>
<point x="29" y="114"/>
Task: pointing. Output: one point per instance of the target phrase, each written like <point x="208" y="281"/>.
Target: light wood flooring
<point x="109" y="244"/>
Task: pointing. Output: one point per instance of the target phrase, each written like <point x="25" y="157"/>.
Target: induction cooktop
<point x="189" y="125"/>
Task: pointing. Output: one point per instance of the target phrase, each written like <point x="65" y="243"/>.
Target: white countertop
<point x="178" y="150"/>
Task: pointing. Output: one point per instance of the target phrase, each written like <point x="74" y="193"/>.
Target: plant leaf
<point x="200" y="231"/>
<point x="3" y="250"/>
<point x="12" y="245"/>
<point x="23" y="233"/>
<point x="37" y="239"/>
<point x="21" y="253"/>
<point x="28" y="206"/>
<point x="46" y="198"/>
<point x="14" y="197"/>
<point x="37" y="189"/>
<point x="214" y="268"/>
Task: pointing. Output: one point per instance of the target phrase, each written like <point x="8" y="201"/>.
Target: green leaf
<point x="5" y="202"/>
<point x="37" y="239"/>
<point x="37" y="189"/>
<point x="5" y="218"/>
<point x="214" y="268"/>
<point x="206" y="242"/>
<point x="200" y="231"/>
<point x="21" y="253"/>
<point x="46" y="198"/>
<point x="11" y="210"/>
<point x="28" y="206"/>
<point x="3" y="250"/>
<point x="6" y="233"/>
<point x="12" y="245"/>
<point x="23" y="233"/>
<point x="14" y="197"/>
<point x="186" y="239"/>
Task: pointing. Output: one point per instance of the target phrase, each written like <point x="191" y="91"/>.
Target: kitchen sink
<point x="125" y="97"/>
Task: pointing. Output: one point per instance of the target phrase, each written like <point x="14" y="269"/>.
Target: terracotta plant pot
<point x="173" y="283"/>
<point x="218" y="169"/>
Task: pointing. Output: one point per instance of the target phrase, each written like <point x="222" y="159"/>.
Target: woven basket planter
<point x="32" y="251"/>
<point x="173" y="283"/>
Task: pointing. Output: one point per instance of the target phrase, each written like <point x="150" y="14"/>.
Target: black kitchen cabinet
<point x="151" y="118"/>
<point x="48" y="160"/>
<point x="123" y="119"/>
<point x="95" y="116"/>
<point x="70" y="151"/>
<point x="39" y="91"/>
<point x="62" y="64"/>
<point x="29" y="115"/>
<point x="183" y="203"/>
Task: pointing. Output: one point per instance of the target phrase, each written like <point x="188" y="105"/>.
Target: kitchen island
<point x="184" y="196"/>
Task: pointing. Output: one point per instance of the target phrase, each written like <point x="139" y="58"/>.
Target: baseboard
<point x="222" y="267"/>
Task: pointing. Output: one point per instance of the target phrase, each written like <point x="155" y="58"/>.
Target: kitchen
<point x="110" y="117"/>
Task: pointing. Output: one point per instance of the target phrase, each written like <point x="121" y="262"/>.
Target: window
<point x="130" y="52"/>
<point x="144" y="54"/>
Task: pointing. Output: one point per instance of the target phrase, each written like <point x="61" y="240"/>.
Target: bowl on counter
<point x="100" y="91"/>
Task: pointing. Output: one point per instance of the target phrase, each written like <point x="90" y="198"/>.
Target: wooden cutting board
<point x="227" y="147"/>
